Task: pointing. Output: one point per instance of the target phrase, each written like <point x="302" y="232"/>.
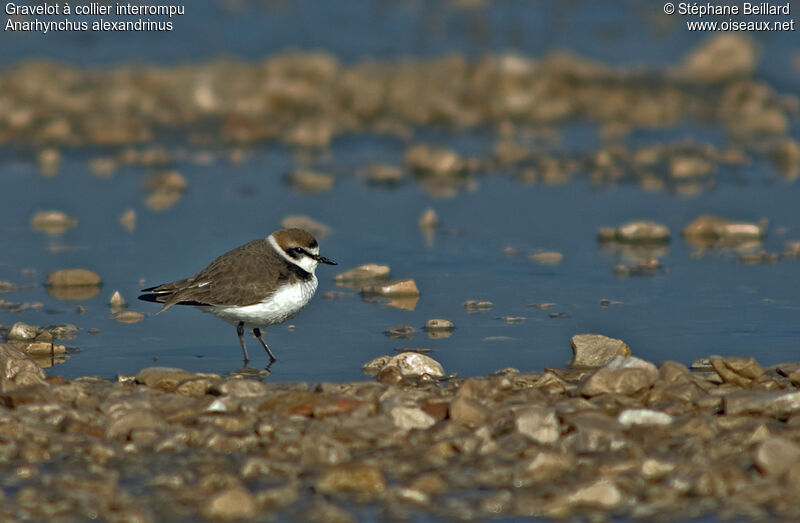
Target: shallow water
<point x="697" y="306"/>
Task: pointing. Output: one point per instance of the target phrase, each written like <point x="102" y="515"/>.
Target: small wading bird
<point x="258" y="284"/>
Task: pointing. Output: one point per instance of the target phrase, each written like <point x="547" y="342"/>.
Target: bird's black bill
<point x="323" y="259"/>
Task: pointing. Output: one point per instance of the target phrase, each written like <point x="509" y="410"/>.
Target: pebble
<point x="402" y="332"/>
<point x="791" y="249"/>
<point x="547" y="258"/>
<point x="410" y="364"/>
<point x="775" y="456"/>
<point x="630" y="417"/>
<point x="23" y="331"/>
<point x="437" y="161"/>
<point x="318" y="229"/>
<point x="165" y="189"/>
<point x="473" y="305"/>
<point x="230" y="504"/>
<point x="439" y="324"/>
<point x="401" y="288"/>
<point x="128" y="220"/>
<point x="17" y="370"/>
<point x="649" y="267"/>
<point x="52" y="222"/>
<point x="467" y="411"/>
<point x="595" y="350"/>
<point x="311" y="181"/>
<point x="738" y="371"/>
<point x="635" y="232"/>
<point x="601" y="494"/>
<point x="49" y="160"/>
<point x="538" y="423"/>
<point x="117" y="302"/>
<point x="621" y="375"/>
<point x="72" y="278"/>
<point x="363" y="274"/>
<point x="713" y="228"/>
<point x="364" y="479"/>
<point x="128" y="317"/>
<point x="429" y="220"/>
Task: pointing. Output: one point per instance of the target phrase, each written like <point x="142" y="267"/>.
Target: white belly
<point x="282" y="305"/>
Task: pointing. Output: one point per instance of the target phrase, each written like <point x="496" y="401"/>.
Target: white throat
<point x="304" y="262"/>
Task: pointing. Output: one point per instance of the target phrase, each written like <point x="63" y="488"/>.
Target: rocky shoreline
<point x="628" y="438"/>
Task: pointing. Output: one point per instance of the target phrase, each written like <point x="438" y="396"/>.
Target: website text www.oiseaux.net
<point x="763" y="11"/>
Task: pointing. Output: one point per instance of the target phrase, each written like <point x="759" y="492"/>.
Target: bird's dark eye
<point x="296" y="251"/>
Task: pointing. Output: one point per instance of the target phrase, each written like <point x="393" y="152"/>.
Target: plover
<point x="260" y="283"/>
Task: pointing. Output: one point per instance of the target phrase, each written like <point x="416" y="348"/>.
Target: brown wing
<point x="244" y="276"/>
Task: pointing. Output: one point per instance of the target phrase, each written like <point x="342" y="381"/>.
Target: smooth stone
<point x="400" y="288"/>
<point x="547" y="258"/>
<point x="72" y="277"/>
<point x="642" y="232"/>
<point x="52" y="222"/>
<point x="364" y="273"/>
<point x="128" y="317"/>
<point x="714" y="227"/>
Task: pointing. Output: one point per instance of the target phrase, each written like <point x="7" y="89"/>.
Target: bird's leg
<point x="257" y="333"/>
<point x="240" y="332"/>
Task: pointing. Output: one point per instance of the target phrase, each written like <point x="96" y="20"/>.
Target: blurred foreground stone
<point x="629" y="439"/>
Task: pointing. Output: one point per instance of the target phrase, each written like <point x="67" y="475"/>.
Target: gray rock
<point x="595" y="350"/>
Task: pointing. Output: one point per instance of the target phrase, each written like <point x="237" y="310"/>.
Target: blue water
<point x="693" y="308"/>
